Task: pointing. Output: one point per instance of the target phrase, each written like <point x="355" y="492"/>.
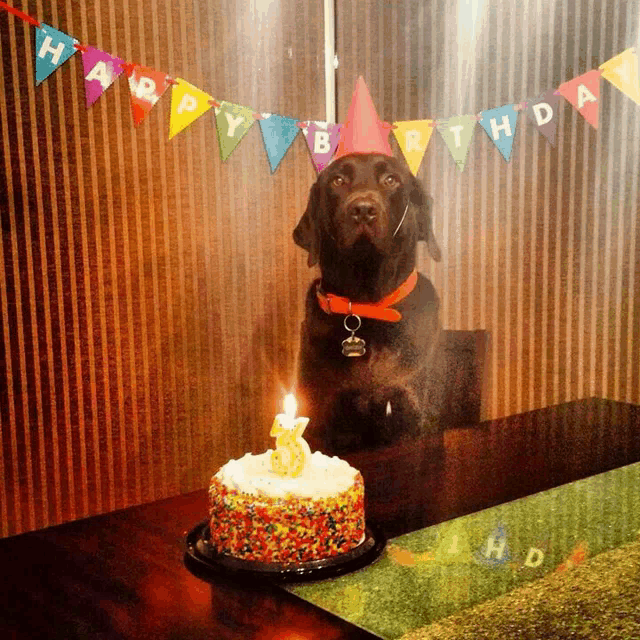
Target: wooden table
<point x="122" y="575"/>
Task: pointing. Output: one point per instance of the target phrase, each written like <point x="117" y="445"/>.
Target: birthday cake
<point x="260" y="515"/>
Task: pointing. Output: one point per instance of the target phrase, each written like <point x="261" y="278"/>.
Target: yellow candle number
<point x="292" y="451"/>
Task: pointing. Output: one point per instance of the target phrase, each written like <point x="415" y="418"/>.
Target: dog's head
<point x="364" y="201"/>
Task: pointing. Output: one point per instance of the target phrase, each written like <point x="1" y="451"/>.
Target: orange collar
<point x="380" y="310"/>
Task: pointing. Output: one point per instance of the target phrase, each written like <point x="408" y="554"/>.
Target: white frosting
<point x="322" y="477"/>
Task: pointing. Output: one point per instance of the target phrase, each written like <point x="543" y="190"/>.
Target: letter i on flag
<point x="53" y="48"/>
<point x="147" y="86"/>
<point x="100" y="71"/>
<point x="188" y="103"/>
<point x="413" y="137"/>
<point x="622" y="71"/>
<point x="583" y="93"/>
<point x="278" y="134"/>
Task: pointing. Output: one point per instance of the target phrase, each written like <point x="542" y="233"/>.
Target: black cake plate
<point x="202" y="560"/>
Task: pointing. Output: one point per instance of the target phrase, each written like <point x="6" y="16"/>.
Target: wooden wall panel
<point x="543" y="251"/>
<point x="151" y="294"/>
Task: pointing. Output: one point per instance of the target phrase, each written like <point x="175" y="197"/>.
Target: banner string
<point x="20" y="14"/>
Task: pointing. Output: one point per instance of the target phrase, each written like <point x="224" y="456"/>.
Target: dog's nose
<point x="363" y="212"/>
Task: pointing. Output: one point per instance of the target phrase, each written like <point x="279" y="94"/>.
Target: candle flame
<point x="290" y="405"/>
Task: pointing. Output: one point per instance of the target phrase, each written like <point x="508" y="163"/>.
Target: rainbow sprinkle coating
<point x="287" y="529"/>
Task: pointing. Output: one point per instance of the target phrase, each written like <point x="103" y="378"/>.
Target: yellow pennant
<point x="622" y="72"/>
<point x="413" y="137"/>
<point x="188" y="103"/>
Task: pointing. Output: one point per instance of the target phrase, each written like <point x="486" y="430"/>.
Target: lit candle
<point x="292" y="451"/>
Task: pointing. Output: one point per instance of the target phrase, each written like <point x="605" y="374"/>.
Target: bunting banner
<point x="53" y="49"/>
<point x="500" y="125"/>
<point x="233" y="122"/>
<point x="100" y="71"/>
<point x="543" y="112"/>
<point x="278" y="134"/>
<point x="322" y="139"/>
<point x="147" y="87"/>
<point x="623" y="72"/>
<point x="188" y="103"/>
<point x="457" y="133"/>
<point x="413" y="137"/>
<point x="583" y="93"/>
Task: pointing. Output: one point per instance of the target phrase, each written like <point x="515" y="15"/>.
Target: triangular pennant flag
<point x="233" y="122"/>
<point x="363" y="131"/>
<point x="495" y="551"/>
<point x="543" y="112"/>
<point x="583" y="93"/>
<point x="188" y="103"/>
<point x="622" y="71"/>
<point x="278" y="133"/>
<point x="500" y="124"/>
<point x="147" y="86"/>
<point x="53" y="48"/>
<point x="413" y="137"/>
<point x="322" y="139"/>
<point x="457" y="133"/>
<point x="100" y="71"/>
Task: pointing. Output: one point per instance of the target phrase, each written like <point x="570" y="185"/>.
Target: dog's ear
<point x="423" y="202"/>
<point x="307" y="233"/>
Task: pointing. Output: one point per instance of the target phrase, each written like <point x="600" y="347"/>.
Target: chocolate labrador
<point x="366" y="369"/>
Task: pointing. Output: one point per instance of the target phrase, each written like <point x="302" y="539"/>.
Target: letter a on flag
<point x="188" y="103"/>
<point x="147" y="86"/>
<point x="233" y="122"/>
<point x="100" y="71"/>
<point x="622" y="72"/>
<point x="322" y="139"/>
<point x="413" y="137"/>
<point x="278" y="133"/>
<point x="583" y="93"/>
<point x="53" y="48"/>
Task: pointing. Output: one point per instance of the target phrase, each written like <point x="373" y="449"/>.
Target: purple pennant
<point x="100" y="71"/>
<point x="543" y="113"/>
<point x="322" y="139"/>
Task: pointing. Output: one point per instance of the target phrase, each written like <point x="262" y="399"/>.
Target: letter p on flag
<point x="188" y="103"/>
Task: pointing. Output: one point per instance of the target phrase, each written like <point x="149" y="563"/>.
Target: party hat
<point x="363" y="131"/>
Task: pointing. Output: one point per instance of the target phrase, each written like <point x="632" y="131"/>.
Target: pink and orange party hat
<point x="363" y="131"/>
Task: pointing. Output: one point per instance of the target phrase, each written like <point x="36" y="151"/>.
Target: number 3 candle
<point x="292" y="450"/>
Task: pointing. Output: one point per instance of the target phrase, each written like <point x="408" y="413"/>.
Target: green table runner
<point x="429" y="574"/>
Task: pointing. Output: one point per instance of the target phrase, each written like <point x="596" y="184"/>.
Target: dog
<point x="366" y="382"/>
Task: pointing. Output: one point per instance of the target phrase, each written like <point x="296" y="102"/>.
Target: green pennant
<point x="457" y="133"/>
<point x="232" y="121"/>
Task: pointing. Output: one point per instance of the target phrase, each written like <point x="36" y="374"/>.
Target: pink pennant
<point x="583" y="93"/>
<point x="100" y="71"/>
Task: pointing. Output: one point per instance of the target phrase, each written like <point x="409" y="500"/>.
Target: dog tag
<point x="353" y="346"/>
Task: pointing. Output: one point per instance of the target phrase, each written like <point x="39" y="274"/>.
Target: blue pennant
<point x="278" y="133"/>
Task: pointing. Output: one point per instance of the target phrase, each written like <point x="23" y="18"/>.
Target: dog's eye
<point x="390" y="181"/>
<point x="338" y="181"/>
